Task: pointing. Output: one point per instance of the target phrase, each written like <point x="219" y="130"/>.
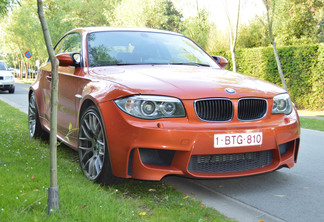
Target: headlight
<point x="151" y="107"/>
<point x="8" y="77"/>
<point x="281" y="104"/>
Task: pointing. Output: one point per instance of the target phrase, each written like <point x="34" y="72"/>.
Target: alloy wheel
<point x="32" y="115"/>
<point x="91" y="144"/>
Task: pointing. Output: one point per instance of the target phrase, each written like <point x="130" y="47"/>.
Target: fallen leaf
<point x="142" y="213"/>
<point x="36" y="190"/>
<point x="33" y="177"/>
<point x="185" y="197"/>
<point x="83" y="206"/>
<point x="152" y="190"/>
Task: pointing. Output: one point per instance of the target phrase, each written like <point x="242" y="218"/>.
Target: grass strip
<point x="309" y="123"/>
<point x="24" y="170"/>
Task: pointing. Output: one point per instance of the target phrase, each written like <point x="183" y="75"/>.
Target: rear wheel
<point x="93" y="149"/>
<point x="35" y="129"/>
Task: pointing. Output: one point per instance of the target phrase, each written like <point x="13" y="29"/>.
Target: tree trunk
<point x="233" y="34"/>
<point x="233" y="58"/>
<point x="279" y="65"/>
<point x="273" y="43"/>
<point x="53" y="196"/>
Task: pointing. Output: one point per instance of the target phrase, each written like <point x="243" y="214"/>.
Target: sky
<point x="216" y="8"/>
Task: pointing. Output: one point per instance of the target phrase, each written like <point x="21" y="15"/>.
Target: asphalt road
<point x="294" y="195"/>
<point x="19" y="99"/>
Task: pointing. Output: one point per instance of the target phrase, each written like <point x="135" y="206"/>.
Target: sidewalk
<point x="311" y="114"/>
<point x="313" y="117"/>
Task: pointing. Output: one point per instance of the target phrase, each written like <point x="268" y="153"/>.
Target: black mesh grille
<point x="214" y="109"/>
<point x="252" y="109"/>
<point x="225" y="163"/>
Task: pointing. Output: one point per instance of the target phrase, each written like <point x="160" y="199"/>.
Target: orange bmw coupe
<point x="147" y="103"/>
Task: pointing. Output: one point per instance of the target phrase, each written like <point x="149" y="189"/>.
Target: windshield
<point x="3" y="66"/>
<point x="137" y="47"/>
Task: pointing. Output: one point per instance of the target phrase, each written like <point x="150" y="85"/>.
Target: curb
<point x="226" y="205"/>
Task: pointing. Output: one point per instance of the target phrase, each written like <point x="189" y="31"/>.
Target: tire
<point x="12" y="90"/>
<point x="34" y="126"/>
<point x="93" y="149"/>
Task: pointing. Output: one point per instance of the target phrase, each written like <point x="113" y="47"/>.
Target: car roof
<point x="106" y="28"/>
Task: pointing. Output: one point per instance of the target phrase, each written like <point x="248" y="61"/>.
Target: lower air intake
<point x="226" y="163"/>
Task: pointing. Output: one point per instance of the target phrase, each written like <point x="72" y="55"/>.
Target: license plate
<point x="237" y="139"/>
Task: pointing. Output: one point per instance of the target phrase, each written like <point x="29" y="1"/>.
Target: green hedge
<point x="302" y="66"/>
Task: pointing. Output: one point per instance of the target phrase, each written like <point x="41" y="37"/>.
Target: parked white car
<point x="7" y="80"/>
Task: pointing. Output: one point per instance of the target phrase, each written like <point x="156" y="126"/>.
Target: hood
<point x="5" y="73"/>
<point x="185" y="82"/>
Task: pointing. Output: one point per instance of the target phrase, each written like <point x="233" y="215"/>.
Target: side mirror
<point x="69" y="59"/>
<point x="221" y="61"/>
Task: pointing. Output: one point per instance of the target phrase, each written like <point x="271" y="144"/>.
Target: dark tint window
<point x="135" y="47"/>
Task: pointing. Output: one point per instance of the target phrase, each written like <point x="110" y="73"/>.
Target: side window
<point x="70" y="43"/>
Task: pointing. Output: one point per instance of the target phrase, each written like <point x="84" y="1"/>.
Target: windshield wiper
<point x="175" y="63"/>
<point x="125" y="64"/>
<point x="189" y="64"/>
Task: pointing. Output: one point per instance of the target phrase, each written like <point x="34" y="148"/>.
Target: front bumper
<point x="152" y="149"/>
<point x="6" y="85"/>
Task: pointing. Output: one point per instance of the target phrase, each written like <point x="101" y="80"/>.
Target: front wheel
<point x="12" y="90"/>
<point x="93" y="149"/>
<point x="34" y="126"/>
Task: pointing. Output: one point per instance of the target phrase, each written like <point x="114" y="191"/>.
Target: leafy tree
<point x="18" y="37"/>
<point x="63" y="15"/>
<point x="295" y="22"/>
<point x="217" y="40"/>
<point x="162" y="14"/>
<point x="21" y="29"/>
<point x="298" y="21"/>
<point x="5" y="5"/>
<point x="159" y="14"/>
<point x="171" y="17"/>
<point x="197" y="27"/>
<point x="253" y="34"/>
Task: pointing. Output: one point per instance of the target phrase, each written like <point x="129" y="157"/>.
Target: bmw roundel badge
<point x="230" y="91"/>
